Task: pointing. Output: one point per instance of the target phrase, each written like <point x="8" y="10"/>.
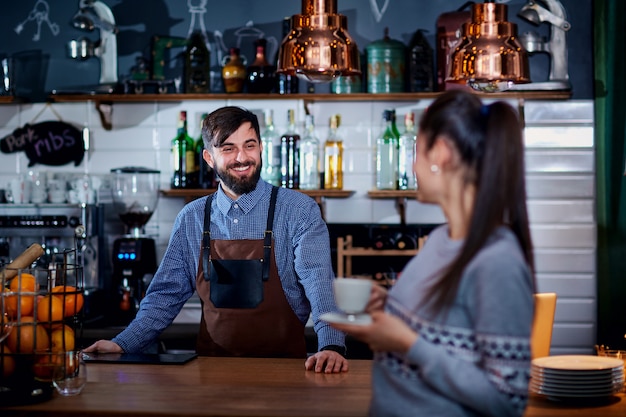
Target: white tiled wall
<point x="560" y="178"/>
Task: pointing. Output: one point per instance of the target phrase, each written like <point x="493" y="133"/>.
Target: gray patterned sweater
<point x="475" y="359"/>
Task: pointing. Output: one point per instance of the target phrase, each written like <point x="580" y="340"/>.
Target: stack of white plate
<point x="576" y="376"/>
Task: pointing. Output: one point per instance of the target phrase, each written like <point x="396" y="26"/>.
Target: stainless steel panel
<point x="560" y="186"/>
<point x="564" y="236"/>
<point x="581" y="335"/>
<point x="567" y="285"/>
<point x="561" y="211"/>
<point x="559" y="112"/>
<point x="559" y="161"/>
<point x="565" y="261"/>
<point x="575" y="310"/>
<point x="559" y="137"/>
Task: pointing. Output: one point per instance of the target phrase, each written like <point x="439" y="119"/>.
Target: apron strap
<point x="267" y="240"/>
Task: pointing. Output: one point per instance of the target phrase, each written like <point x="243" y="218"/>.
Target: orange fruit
<point x="27" y="336"/>
<point x="16" y="303"/>
<point x="71" y="297"/>
<point x="62" y="339"/>
<point x="46" y="365"/>
<point x="7" y="366"/>
<point x="24" y="283"/>
<point x="50" y="308"/>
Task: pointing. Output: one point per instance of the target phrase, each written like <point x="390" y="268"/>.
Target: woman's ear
<point x="441" y="153"/>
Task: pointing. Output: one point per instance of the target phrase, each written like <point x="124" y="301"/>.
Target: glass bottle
<point x="287" y="84"/>
<point x="206" y="175"/>
<point x="183" y="154"/>
<point x="309" y="155"/>
<point x="289" y="154"/>
<point x="197" y="65"/>
<point x="387" y="154"/>
<point x="333" y="156"/>
<point x="406" y="154"/>
<point x="421" y="72"/>
<point x="271" y="150"/>
<point x="260" y="74"/>
<point x="234" y="72"/>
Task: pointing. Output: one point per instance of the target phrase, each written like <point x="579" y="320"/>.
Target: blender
<point x="135" y="196"/>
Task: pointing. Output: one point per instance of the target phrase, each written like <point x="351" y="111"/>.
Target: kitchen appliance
<point x="91" y="15"/>
<point x="60" y="228"/>
<point x="135" y="196"/>
<point x="556" y="46"/>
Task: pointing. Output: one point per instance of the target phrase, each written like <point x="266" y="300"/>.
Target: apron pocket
<point x="236" y="283"/>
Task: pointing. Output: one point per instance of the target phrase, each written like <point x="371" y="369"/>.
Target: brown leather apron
<point x="244" y="308"/>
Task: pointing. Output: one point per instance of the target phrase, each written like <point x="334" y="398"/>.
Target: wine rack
<point x="346" y="251"/>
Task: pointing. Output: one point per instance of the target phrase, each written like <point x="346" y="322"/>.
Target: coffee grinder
<point x="135" y="196"/>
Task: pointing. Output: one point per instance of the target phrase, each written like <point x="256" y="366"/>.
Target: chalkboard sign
<point x="37" y="34"/>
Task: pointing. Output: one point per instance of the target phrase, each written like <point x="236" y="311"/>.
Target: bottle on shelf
<point x="271" y="150"/>
<point x="206" y="176"/>
<point x="383" y="241"/>
<point x="333" y="156"/>
<point x="234" y="72"/>
<point x="406" y="154"/>
<point x="183" y="155"/>
<point x="260" y="74"/>
<point x="285" y="83"/>
<point x="421" y="68"/>
<point x="309" y="157"/>
<point x="405" y="241"/>
<point x="387" y="153"/>
<point x="289" y="154"/>
<point x="197" y="70"/>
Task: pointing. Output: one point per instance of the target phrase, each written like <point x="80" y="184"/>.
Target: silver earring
<point x="434" y="169"/>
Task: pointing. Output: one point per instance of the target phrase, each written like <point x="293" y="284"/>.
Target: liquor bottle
<point x="197" y="65"/>
<point x="405" y="241"/>
<point x="387" y="154"/>
<point x="382" y="241"/>
<point x="260" y="74"/>
<point x="309" y="155"/>
<point x="206" y="177"/>
<point x="183" y="154"/>
<point x="287" y="84"/>
<point x="234" y="72"/>
<point x="406" y="154"/>
<point x="271" y="150"/>
<point x="333" y="156"/>
<point x="421" y="72"/>
<point x="289" y="154"/>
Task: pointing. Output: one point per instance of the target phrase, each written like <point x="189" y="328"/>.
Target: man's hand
<point x="327" y="361"/>
<point x="104" y="346"/>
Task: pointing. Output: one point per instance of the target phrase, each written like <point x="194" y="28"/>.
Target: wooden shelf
<point x="401" y="197"/>
<point x="345" y="252"/>
<point x="317" y="195"/>
<point x="137" y="98"/>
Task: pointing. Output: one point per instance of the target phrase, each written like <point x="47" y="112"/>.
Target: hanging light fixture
<point x="489" y="57"/>
<point x="318" y="47"/>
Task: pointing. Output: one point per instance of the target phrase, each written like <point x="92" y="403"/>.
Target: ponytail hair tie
<point x="484" y="111"/>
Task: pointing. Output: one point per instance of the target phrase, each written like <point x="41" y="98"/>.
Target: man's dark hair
<point x="223" y="122"/>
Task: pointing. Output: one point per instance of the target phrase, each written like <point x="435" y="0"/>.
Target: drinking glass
<point x="70" y="376"/>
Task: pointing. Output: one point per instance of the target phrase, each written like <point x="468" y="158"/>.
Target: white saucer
<point x="338" y="318"/>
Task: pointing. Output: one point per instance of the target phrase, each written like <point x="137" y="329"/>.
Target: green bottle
<point x="183" y="155"/>
<point x="387" y="153"/>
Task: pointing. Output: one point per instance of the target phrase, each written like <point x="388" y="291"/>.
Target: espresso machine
<point x="61" y="228"/>
<point x="135" y="195"/>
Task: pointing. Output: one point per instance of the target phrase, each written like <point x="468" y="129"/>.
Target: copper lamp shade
<point x="489" y="57"/>
<point x="318" y="48"/>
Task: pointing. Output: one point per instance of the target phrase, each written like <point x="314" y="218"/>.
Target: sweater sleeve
<point x="485" y="368"/>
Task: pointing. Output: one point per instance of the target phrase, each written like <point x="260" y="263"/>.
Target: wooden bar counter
<point x="243" y="387"/>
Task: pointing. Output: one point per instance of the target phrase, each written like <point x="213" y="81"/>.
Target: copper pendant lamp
<point x="489" y="57"/>
<point x="318" y="47"/>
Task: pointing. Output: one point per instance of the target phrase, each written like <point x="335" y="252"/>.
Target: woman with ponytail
<point x="452" y="336"/>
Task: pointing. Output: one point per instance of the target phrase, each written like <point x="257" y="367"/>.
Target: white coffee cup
<point x="352" y="294"/>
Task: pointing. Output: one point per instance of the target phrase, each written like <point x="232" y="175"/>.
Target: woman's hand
<point x="377" y="300"/>
<point x="386" y="333"/>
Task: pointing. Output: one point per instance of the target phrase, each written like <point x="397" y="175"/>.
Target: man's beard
<point x="239" y="185"/>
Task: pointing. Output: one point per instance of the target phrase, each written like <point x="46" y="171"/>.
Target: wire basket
<point x="40" y="315"/>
